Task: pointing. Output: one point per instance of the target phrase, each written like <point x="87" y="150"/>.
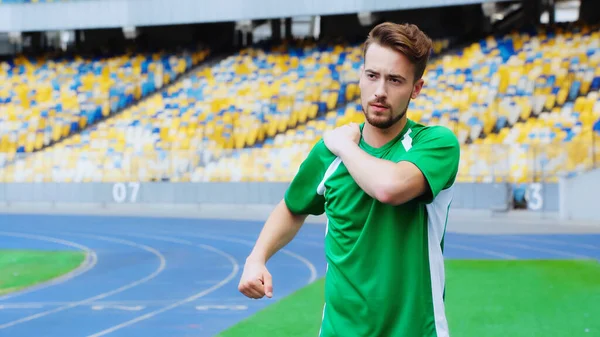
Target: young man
<point x="386" y="187"/>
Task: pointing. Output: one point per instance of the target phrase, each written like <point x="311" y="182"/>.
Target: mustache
<point x="379" y="102"/>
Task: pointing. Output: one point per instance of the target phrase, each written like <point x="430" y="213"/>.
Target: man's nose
<point x="380" y="90"/>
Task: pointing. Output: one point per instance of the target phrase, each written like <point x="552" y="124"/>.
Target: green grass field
<point x="484" y="298"/>
<point x="23" y="268"/>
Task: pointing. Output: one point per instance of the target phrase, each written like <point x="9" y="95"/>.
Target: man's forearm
<point x="375" y="176"/>
<point x="279" y="229"/>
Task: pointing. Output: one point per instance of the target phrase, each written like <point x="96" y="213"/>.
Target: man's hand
<point x="256" y="281"/>
<point x="342" y="136"/>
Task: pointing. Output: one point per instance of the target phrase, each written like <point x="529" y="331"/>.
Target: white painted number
<point x="119" y="192"/>
<point x="533" y="196"/>
<point x="135" y="188"/>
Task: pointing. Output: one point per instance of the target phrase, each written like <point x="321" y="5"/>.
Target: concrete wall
<point x="542" y="197"/>
<point x="467" y="195"/>
<point x="578" y="196"/>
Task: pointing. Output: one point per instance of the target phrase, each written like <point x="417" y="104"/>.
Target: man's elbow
<point x="384" y="197"/>
<point x="286" y="212"/>
<point x="390" y="194"/>
<point x="398" y="193"/>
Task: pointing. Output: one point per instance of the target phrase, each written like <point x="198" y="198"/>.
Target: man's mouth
<point x="378" y="107"/>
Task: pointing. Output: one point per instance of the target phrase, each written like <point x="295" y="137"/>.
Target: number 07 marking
<point x="119" y="192"/>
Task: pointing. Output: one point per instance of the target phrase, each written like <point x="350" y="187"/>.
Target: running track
<point x="178" y="277"/>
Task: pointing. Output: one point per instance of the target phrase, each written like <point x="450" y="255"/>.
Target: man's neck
<point x="376" y="137"/>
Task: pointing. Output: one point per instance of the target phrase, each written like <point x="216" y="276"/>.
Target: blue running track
<point x="179" y="277"/>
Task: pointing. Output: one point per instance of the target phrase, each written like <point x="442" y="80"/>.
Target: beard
<point x="384" y="121"/>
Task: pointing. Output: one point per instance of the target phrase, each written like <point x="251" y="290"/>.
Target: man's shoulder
<point x="319" y="149"/>
<point x="319" y="152"/>
<point x="437" y="133"/>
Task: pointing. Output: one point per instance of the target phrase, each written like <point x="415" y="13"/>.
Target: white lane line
<point x="158" y="270"/>
<point x="305" y="261"/>
<point x="221" y="307"/>
<point x="234" y="271"/>
<point x="481" y="251"/>
<point x="118" y="307"/>
<point x="88" y="263"/>
<point x="39" y="305"/>
<point x="145" y="302"/>
<point x="552" y="242"/>
<point x="297" y="240"/>
<point x="8" y="306"/>
<point x="499" y="242"/>
<point x="545" y="250"/>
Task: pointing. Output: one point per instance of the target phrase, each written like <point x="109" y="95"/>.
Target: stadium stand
<point x="45" y="100"/>
<point x="509" y="99"/>
<point x="516" y="103"/>
<point x="278" y="158"/>
<point x="236" y="103"/>
<point x="552" y="99"/>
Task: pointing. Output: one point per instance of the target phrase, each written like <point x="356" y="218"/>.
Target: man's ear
<point x="417" y="88"/>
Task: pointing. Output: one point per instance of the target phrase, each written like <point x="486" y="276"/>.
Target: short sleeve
<point x="301" y="196"/>
<point x="436" y="152"/>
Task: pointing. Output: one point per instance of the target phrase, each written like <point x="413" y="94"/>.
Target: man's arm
<point x="301" y="199"/>
<point x="389" y="182"/>
<point x="427" y="168"/>
<point x="279" y="229"/>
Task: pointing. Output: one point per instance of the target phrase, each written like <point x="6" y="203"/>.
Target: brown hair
<point x="407" y="39"/>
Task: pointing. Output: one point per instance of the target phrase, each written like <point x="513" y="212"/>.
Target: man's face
<point x="387" y="86"/>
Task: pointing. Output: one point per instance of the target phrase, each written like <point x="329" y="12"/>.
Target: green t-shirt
<point x="385" y="268"/>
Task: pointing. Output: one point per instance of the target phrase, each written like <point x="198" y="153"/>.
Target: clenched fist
<point x="336" y="139"/>
<point x="256" y="281"/>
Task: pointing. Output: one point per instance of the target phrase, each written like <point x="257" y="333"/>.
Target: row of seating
<point x="45" y="100"/>
<point x="486" y="89"/>
<point x="509" y="100"/>
<point x="518" y="163"/>
<point x="67" y="163"/>
<point x="525" y="107"/>
<point x="278" y="158"/>
<point x="513" y="101"/>
<point x="487" y="160"/>
<point x="238" y="102"/>
<point x="235" y="104"/>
